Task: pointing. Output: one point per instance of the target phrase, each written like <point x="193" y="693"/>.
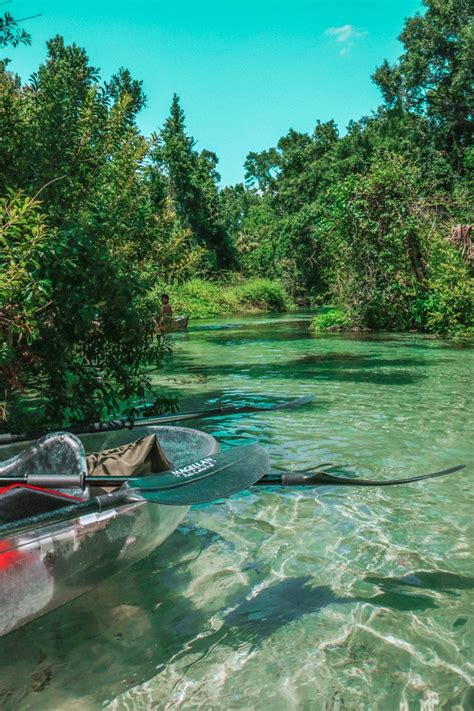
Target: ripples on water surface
<point x="332" y="598"/>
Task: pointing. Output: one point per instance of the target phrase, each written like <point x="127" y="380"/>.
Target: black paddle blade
<point x="121" y="424"/>
<point x="297" y="402"/>
<point x="208" y="479"/>
<point x="228" y="410"/>
<point x="321" y="478"/>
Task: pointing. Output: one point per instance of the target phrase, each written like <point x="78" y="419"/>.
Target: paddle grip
<point x="53" y="481"/>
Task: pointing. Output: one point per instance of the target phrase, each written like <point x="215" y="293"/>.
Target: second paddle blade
<point x="212" y="478"/>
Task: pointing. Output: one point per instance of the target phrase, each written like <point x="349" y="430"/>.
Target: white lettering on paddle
<point x="196" y="468"/>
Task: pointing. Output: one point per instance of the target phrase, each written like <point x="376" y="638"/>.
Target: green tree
<point x="11" y="127"/>
<point x="192" y="185"/>
<point x="426" y="120"/>
<point x="11" y="33"/>
<point x="435" y="74"/>
<point x="391" y="266"/>
<point x="79" y="149"/>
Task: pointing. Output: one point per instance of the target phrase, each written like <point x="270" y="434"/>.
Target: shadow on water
<point x="254" y="331"/>
<point x="250" y="337"/>
<point x="342" y="366"/>
<point x="244" y="333"/>
<point x="287" y="600"/>
<point x="432" y="343"/>
<point x="252" y="621"/>
<point x="298" y="324"/>
<point x="38" y="662"/>
<point x="206" y="399"/>
<point x="302" y="370"/>
<point x="366" y="361"/>
<point x="258" y="617"/>
<point x="437" y="580"/>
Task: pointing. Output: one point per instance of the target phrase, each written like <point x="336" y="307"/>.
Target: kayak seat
<point x="20" y="501"/>
<point x="138" y="458"/>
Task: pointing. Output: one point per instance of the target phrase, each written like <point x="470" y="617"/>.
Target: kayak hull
<point x="178" y="323"/>
<point x="47" y="567"/>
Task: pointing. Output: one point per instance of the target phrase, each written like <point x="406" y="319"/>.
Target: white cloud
<point x="345" y="35"/>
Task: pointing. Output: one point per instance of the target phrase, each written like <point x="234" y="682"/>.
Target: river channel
<point x="335" y="598"/>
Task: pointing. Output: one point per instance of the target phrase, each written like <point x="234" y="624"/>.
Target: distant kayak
<point x="178" y="323"/>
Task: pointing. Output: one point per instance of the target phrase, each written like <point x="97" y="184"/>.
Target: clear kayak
<point x="46" y="563"/>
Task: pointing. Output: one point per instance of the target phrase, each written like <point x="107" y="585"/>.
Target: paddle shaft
<point x="66" y="481"/>
<point x="124" y="424"/>
<point x="208" y="479"/>
<point x="318" y="478"/>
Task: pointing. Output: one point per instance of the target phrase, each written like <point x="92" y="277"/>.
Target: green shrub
<point x="263" y="294"/>
<point x="333" y="320"/>
<point x="197" y="297"/>
<point x="200" y="298"/>
<point x="447" y="305"/>
<point x="391" y="266"/>
<point x="376" y="221"/>
<point x="77" y="332"/>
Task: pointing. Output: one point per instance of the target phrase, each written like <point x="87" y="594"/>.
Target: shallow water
<point x="331" y="598"/>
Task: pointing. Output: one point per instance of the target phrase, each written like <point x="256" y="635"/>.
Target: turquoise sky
<point x="246" y="71"/>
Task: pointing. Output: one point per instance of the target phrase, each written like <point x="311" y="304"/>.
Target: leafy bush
<point x="25" y="293"/>
<point x="376" y="222"/>
<point x="447" y="307"/>
<point x="332" y="320"/>
<point x="200" y="298"/>
<point x="197" y="297"/>
<point x="76" y="330"/>
<point x="391" y="264"/>
<point x="263" y="294"/>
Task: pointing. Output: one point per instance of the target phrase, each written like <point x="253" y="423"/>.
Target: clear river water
<point x="334" y="599"/>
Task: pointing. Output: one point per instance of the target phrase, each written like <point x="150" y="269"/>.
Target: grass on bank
<point x="440" y="323"/>
<point x="332" y="320"/>
<point x="200" y="298"/>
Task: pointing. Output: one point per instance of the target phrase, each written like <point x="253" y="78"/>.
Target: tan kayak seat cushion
<point x="134" y="459"/>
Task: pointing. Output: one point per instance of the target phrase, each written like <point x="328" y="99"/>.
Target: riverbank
<point x="336" y="319"/>
<point x="200" y="298"/>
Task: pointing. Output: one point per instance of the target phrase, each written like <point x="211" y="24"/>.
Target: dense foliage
<point x="385" y="246"/>
<point x="230" y="294"/>
<point x="83" y="225"/>
<point x="97" y="219"/>
<point x="364" y="220"/>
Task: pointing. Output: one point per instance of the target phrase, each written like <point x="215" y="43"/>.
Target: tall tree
<point x="85" y="328"/>
<point x="193" y="185"/>
<point x="434" y="77"/>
